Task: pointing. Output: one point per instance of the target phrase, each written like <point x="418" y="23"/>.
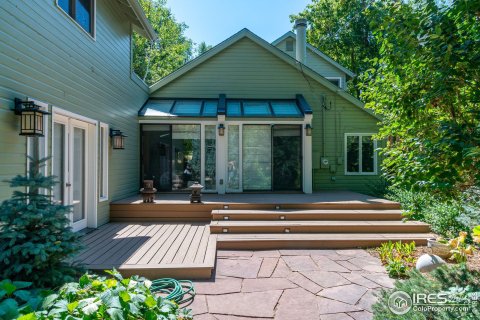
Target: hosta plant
<point x="114" y="297"/>
<point x="397" y="257"/>
<point x="17" y="298"/>
<point x="459" y="249"/>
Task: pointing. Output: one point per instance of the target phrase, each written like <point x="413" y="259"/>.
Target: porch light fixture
<point x="308" y="130"/>
<point x="221" y="129"/>
<point x="118" y="139"/>
<point x="31" y="123"/>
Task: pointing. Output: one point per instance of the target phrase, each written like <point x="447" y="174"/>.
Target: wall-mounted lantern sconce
<point x="31" y="123"/>
<point x="221" y="129"/>
<point x="118" y="139"/>
<point x="308" y="130"/>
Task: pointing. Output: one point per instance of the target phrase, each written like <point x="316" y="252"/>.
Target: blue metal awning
<point x="236" y="108"/>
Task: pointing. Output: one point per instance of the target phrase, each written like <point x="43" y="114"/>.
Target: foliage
<point x="456" y="281"/>
<point x="342" y="30"/>
<point x="36" y="237"/>
<point x="425" y="87"/>
<point x="154" y="60"/>
<point x="476" y="234"/>
<point x="459" y="249"/>
<point x="17" y="298"/>
<point x="446" y="215"/>
<point x="414" y="204"/>
<point x="95" y="297"/>
<point x="202" y="48"/>
<point x="398" y="258"/>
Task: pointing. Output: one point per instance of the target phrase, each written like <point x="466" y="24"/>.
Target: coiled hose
<point x="180" y="291"/>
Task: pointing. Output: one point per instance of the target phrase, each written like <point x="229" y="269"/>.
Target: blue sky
<point x="213" y="21"/>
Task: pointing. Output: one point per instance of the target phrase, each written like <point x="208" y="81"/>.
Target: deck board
<point x="151" y="249"/>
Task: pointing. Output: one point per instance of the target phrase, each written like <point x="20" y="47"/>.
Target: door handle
<point x="68" y="184"/>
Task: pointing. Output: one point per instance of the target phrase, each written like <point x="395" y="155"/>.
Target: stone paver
<point x="282" y="270"/>
<point x="267" y="267"/>
<point x="239" y="268"/>
<point x="350" y="293"/>
<point x="219" y="286"/>
<point x="297" y="304"/>
<point x="254" y="304"/>
<point x="266" y="254"/>
<point x="302" y="281"/>
<point x="326" y="264"/>
<point x="300" y="263"/>
<point x="266" y="284"/>
<point x="326" y="306"/>
<point x="326" y="279"/>
<point x="291" y="284"/>
<point x="336" y="316"/>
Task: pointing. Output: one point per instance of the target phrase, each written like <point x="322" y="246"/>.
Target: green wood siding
<point x="315" y="62"/>
<point x="46" y="56"/>
<point x="246" y="70"/>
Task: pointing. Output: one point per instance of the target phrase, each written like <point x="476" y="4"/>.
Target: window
<point x="82" y="11"/>
<point x="360" y="154"/>
<point x="289" y="45"/>
<point x="103" y="167"/>
<point x="336" y="81"/>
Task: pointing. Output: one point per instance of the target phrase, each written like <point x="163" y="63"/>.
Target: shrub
<point x="35" y="234"/>
<point x="17" y="298"/>
<point x="397" y="257"/>
<point x="96" y="297"/>
<point x="457" y="282"/>
<point x="447" y="215"/>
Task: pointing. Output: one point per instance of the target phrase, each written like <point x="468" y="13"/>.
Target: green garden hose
<point x="180" y="291"/>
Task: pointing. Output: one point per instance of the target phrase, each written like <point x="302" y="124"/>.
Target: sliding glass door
<point x="257" y="157"/>
<point x="287" y="157"/>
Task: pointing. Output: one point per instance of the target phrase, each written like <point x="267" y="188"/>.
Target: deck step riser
<point x="321" y="229"/>
<point x="332" y="216"/>
<point x="307" y="244"/>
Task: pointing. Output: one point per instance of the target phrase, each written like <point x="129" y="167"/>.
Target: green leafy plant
<point x="459" y="249"/>
<point x="35" y="234"/>
<point x="397" y="257"/>
<point x="476" y="234"/>
<point x="17" y="298"/>
<point x="456" y="281"/>
<point x="115" y="297"/>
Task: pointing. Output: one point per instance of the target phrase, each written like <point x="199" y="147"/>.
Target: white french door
<point x="70" y="164"/>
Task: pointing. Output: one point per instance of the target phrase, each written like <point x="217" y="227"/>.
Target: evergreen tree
<point x="35" y="234"/>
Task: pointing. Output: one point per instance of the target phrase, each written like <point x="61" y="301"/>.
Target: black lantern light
<point x="221" y="129"/>
<point x="118" y="139"/>
<point x="31" y="123"/>
<point x="308" y="129"/>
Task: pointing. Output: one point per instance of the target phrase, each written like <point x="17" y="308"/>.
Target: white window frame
<point x="104" y="144"/>
<point x="340" y="81"/>
<point x="375" y="158"/>
<point x="93" y="34"/>
<point x="42" y="143"/>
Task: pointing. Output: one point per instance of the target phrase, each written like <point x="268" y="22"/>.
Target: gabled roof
<point x="141" y="22"/>
<point x="245" y="33"/>
<point x="319" y="53"/>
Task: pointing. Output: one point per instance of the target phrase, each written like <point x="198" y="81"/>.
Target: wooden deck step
<point x="318" y="226"/>
<point x="339" y="214"/>
<point x="314" y="241"/>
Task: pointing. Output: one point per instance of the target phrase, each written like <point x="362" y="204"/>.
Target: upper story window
<point x="289" y="45"/>
<point x="82" y="11"/>
<point x="360" y="154"/>
<point x="336" y="81"/>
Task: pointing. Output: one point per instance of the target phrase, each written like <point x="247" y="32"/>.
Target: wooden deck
<point x="177" y="207"/>
<point x="153" y="250"/>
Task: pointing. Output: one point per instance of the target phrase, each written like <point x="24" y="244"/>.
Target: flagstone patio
<point x="291" y="284"/>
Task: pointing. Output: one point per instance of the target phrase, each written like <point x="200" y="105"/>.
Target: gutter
<point x="143" y="20"/>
